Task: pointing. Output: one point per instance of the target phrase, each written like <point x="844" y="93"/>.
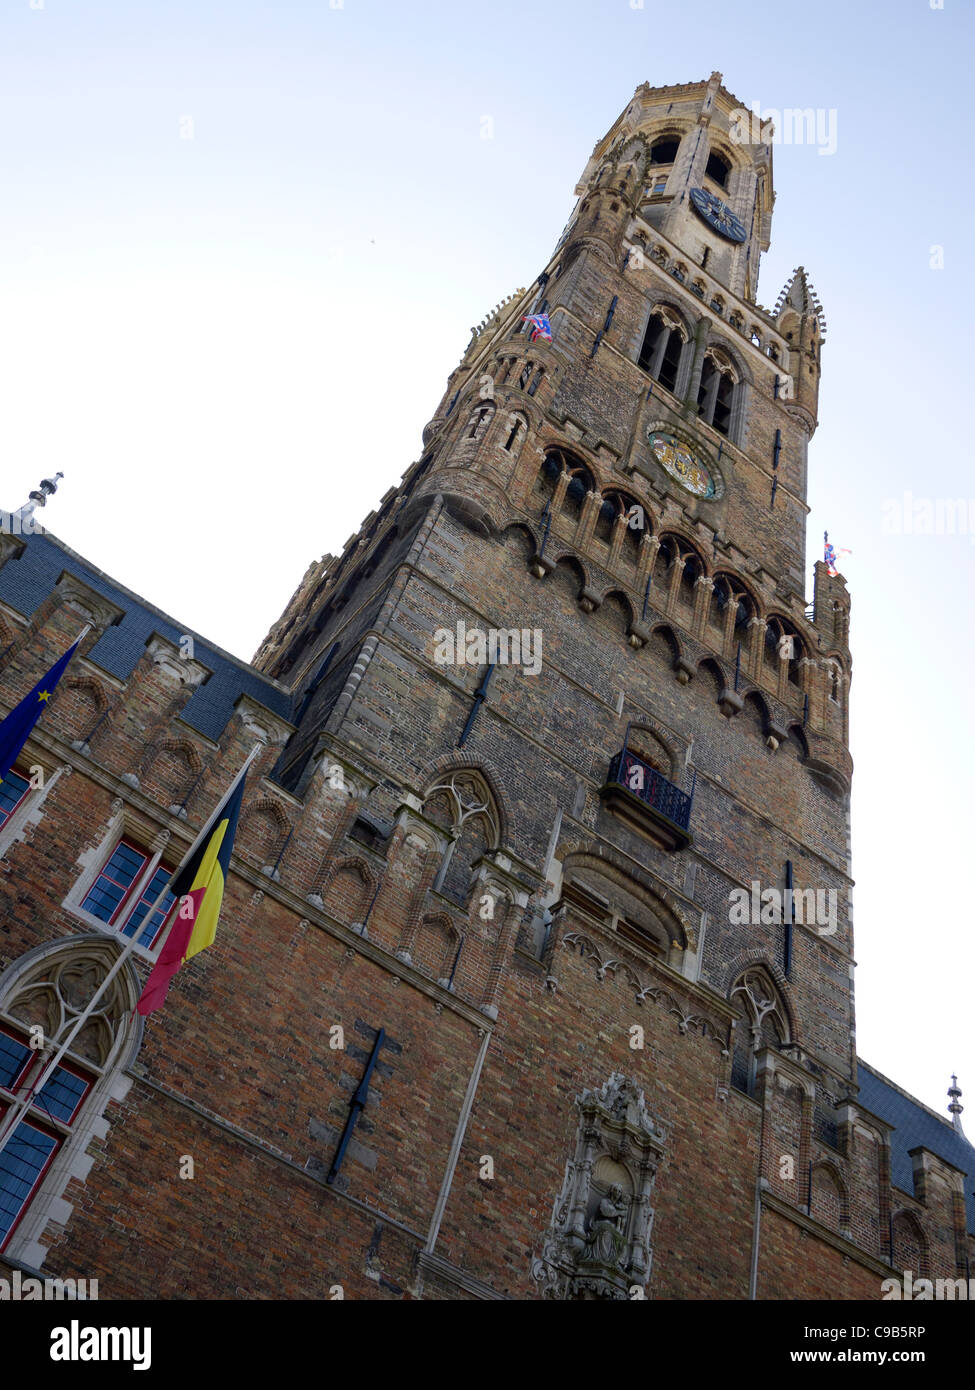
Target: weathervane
<point x="955" y="1109"/>
<point x="20" y="522"/>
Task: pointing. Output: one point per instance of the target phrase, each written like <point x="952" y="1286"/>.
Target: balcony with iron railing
<point x="643" y="797"/>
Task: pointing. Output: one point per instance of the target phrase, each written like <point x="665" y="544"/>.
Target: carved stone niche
<point x="598" y="1241"/>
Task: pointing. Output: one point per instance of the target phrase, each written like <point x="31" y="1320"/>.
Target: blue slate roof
<point x="28" y="579"/>
<point x="914" y="1126"/>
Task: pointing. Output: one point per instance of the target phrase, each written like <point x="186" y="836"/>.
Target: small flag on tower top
<point x="541" y="328"/>
<point x="829" y="555"/>
<point x="18" y="726"/>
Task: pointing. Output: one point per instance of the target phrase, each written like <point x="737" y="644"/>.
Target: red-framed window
<point x="110" y="897"/>
<point x="13" y="789"/>
<point x="42" y="1129"/>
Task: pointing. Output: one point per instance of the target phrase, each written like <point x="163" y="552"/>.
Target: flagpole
<point x="211" y="821"/>
<point x="19" y="1107"/>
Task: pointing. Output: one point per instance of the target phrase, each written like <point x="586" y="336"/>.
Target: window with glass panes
<point x="110" y="896"/>
<point x="41" y="1130"/>
<point x="13" y="789"/>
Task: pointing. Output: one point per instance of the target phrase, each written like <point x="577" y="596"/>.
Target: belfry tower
<point x="534" y="975"/>
<point x="633" y="493"/>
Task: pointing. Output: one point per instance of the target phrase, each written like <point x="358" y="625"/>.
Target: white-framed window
<point x="110" y="897"/>
<point x="13" y="790"/>
<point x="101" y="895"/>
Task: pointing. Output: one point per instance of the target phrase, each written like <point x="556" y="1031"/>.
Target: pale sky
<point x="242" y="247"/>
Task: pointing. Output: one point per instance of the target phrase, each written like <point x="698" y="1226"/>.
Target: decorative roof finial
<point x="954" y="1109"/>
<point x="20" y="523"/>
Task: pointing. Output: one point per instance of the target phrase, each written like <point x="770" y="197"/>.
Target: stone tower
<point x="535" y="972"/>
<point x="633" y="494"/>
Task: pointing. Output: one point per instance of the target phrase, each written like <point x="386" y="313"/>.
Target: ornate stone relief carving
<point x="598" y="1242"/>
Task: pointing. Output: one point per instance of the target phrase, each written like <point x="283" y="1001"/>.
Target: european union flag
<point x="16" y="729"/>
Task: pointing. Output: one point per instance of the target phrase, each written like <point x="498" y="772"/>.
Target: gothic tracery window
<point x="42" y="1005"/>
<point x="463" y="805"/>
<point x="764" y="1023"/>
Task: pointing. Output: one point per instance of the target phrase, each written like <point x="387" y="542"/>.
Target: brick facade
<point x="594" y="1081"/>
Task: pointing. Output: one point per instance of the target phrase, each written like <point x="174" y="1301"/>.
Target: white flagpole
<point x="13" y="1116"/>
<point x="212" y="818"/>
<point x="168" y="925"/>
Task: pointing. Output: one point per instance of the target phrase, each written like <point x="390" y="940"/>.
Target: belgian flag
<point x="198" y="885"/>
<point x="18" y="726"/>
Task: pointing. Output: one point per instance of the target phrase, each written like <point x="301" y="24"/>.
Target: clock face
<point x="717" y="214"/>
<point x="682" y="463"/>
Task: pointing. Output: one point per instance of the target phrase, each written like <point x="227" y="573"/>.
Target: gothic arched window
<point x="464" y="806"/>
<point x="47" y="994"/>
<point x="517" y="429"/>
<point x="555" y="463"/>
<point x="782" y="643"/>
<point x="764" y="1023"/>
<point x="731" y="608"/>
<point x="606" y="519"/>
<point x="479" y="421"/>
<point x="716" y="394"/>
<point x="690" y="574"/>
<point x="673" y="549"/>
<point x="662" y="350"/>
<point x="548" y="475"/>
<point x="718" y="169"/>
<point x="669" y="552"/>
<point x="614" y="505"/>
<point x="664" y="150"/>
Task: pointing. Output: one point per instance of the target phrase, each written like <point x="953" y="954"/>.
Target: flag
<point x="541" y="328"/>
<point x="198" y="885"/>
<point x="16" y="729"/>
<point x="829" y="555"/>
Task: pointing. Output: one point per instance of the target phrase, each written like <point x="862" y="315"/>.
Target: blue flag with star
<point x="17" y="727"/>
